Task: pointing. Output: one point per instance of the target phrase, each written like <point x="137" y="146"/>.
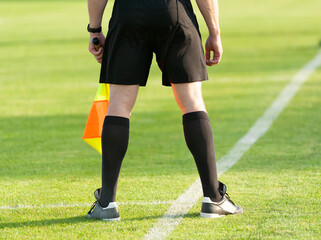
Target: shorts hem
<point x="126" y="84"/>
<point x="190" y="81"/>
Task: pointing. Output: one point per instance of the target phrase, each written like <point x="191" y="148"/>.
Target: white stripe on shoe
<point x="111" y="205"/>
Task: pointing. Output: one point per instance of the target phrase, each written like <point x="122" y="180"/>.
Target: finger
<point x="99" y="57"/>
<point x="91" y="48"/>
<point x="215" y="60"/>
<point x="207" y="54"/>
<point x="210" y="63"/>
<point x="93" y="51"/>
<point x="98" y="53"/>
<point x="102" y="42"/>
<point x="217" y="55"/>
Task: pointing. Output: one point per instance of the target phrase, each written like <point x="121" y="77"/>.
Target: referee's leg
<point x="122" y="99"/>
<point x="198" y="135"/>
<point x="114" y="138"/>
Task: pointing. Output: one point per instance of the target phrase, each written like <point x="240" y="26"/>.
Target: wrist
<point x="214" y="31"/>
<point x="92" y="29"/>
<point x="95" y="25"/>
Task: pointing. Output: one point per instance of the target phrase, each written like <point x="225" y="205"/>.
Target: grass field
<point x="47" y="84"/>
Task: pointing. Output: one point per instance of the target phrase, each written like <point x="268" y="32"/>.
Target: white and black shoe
<point x="221" y="208"/>
<point x="109" y="213"/>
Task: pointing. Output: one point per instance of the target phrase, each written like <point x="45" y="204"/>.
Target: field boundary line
<point x="21" y="206"/>
<point x="176" y="212"/>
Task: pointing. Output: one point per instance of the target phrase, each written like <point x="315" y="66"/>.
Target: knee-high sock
<point x="114" y="141"/>
<point x="199" y="139"/>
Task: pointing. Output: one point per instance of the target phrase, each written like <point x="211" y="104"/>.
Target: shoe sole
<point x="111" y="219"/>
<point x="211" y="215"/>
<point x="104" y="219"/>
<point x="215" y="215"/>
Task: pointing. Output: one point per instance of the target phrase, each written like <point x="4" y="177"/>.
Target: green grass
<point x="48" y="81"/>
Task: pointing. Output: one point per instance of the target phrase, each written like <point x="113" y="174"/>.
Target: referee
<point x="168" y="28"/>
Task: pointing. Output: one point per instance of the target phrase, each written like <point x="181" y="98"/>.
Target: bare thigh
<point x="189" y="96"/>
<point x="122" y="100"/>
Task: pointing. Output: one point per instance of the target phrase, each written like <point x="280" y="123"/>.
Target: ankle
<point x="103" y="204"/>
<point x="216" y="198"/>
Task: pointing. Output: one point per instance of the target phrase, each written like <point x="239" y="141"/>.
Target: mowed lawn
<point x="48" y="81"/>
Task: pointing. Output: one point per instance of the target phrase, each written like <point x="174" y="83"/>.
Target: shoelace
<point x="229" y="198"/>
<point x="92" y="207"/>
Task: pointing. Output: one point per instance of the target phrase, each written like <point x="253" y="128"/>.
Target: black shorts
<point x="139" y="28"/>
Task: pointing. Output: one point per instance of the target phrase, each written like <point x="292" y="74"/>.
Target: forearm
<point x="209" y="10"/>
<point x="96" y="9"/>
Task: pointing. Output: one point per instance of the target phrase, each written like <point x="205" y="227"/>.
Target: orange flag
<point x="95" y="121"/>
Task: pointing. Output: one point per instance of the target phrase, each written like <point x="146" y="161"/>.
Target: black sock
<point x="199" y="139"/>
<point x="114" y="141"/>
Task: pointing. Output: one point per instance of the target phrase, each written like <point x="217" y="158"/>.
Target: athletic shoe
<point x="109" y="213"/>
<point x="221" y="208"/>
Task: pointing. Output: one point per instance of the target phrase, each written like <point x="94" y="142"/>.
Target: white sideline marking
<point x="81" y="205"/>
<point x="175" y="213"/>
